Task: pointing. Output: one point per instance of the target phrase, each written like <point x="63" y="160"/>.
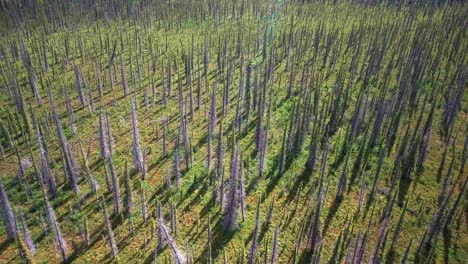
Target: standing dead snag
<point x="161" y="238"/>
<point x="342" y="182"/>
<point x="231" y="208"/>
<point x="26" y="235"/>
<point x="138" y="159"/>
<point x="208" y="150"/>
<point x="429" y="239"/>
<point x="24" y="251"/>
<point x="27" y="63"/>
<point x="241" y="187"/>
<point x="375" y="257"/>
<point x="115" y="186"/>
<point x="144" y="206"/>
<point x="451" y="213"/>
<point x="454" y="100"/>
<point x="9" y="220"/>
<point x="254" y="247"/>
<point x="164" y="122"/>
<point x="285" y="85"/>
<point x="211" y="125"/>
<point x="128" y="200"/>
<point x="45" y="167"/>
<point x="52" y="220"/>
<point x="126" y="90"/>
<point x="176" y="164"/>
<point x="186" y="141"/>
<point x="220" y="155"/>
<point x="178" y="255"/>
<point x="274" y="250"/>
<point x="79" y="86"/>
<point x="32" y="83"/>
<point x="173" y="217"/>
<point x="314" y="233"/>
<point x="71" y="166"/>
<point x="110" y="232"/>
<point x="103" y="140"/>
<point x="109" y="137"/>
<point x="210" y="239"/>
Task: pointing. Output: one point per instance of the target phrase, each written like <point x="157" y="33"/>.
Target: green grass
<point x="193" y="199"/>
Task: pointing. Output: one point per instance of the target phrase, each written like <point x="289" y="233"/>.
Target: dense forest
<point x="233" y="131"/>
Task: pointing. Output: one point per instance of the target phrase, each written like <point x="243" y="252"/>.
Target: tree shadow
<point x="447" y="238"/>
<point x="305" y="257"/>
<point x="403" y="188"/>
<point x="275" y="178"/>
<point x="4" y="245"/>
<point x="331" y="213"/>
<point x="220" y="239"/>
<point x="301" y="180"/>
<point x="206" y="209"/>
<point x="158" y="162"/>
<point x="150" y="259"/>
<point x="97" y="237"/>
<point x="254" y="181"/>
<point x="203" y="190"/>
<point x="36" y="241"/>
<point x="390" y="256"/>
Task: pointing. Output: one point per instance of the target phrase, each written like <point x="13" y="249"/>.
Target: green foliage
<point x="170" y="29"/>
